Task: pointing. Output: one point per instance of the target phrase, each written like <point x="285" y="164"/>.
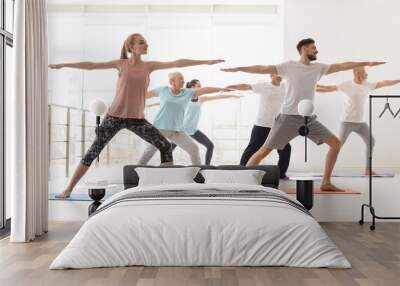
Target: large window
<point x="6" y="43"/>
<point x="242" y="35"/>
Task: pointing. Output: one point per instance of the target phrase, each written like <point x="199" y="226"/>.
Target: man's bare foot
<point x="330" y="188"/>
<point x="366" y="173"/>
<point x="64" y="195"/>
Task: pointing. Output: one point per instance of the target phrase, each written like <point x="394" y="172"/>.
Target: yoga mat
<point x="319" y="192"/>
<point x="342" y="175"/>
<point x="81" y="193"/>
<point x="78" y="197"/>
<point x="355" y="175"/>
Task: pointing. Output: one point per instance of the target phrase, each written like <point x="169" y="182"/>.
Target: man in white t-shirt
<point x="301" y="79"/>
<point x="355" y="93"/>
<point x="270" y="101"/>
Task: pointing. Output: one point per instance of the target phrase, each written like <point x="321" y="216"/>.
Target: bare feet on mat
<point x="330" y="188"/>
<point x="64" y="195"/>
<point x="366" y="173"/>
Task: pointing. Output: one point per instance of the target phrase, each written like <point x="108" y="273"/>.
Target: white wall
<point x="349" y="30"/>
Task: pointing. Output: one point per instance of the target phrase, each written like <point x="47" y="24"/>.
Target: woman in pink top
<point x="127" y="108"/>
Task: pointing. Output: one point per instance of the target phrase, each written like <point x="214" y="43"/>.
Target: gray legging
<point x="203" y="140"/>
<point x="362" y="129"/>
<point x="179" y="138"/>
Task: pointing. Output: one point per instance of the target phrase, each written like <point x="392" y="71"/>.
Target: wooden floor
<point x="375" y="257"/>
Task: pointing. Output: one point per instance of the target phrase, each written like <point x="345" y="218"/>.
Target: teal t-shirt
<point x="172" y="108"/>
<point x="192" y="117"/>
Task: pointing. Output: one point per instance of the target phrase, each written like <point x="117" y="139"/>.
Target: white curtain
<point x="29" y="123"/>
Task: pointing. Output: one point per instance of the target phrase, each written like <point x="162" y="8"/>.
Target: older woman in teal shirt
<point x="174" y="100"/>
<point x="192" y="118"/>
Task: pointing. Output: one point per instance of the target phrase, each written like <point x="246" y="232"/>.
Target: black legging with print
<point x="141" y="127"/>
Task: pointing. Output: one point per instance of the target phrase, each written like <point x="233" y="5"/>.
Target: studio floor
<point x="374" y="255"/>
<point x="327" y="207"/>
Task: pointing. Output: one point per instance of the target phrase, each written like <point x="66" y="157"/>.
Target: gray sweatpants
<point x="180" y="139"/>
<point x="360" y="128"/>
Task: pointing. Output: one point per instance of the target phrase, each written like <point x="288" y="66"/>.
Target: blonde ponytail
<point x="124" y="53"/>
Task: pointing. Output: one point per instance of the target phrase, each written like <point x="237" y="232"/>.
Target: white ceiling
<point x="166" y="2"/>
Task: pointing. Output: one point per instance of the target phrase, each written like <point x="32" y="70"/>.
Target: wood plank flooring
<point x="375" y="257"/>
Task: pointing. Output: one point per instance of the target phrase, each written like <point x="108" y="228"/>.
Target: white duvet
<point x="200" y="231"/>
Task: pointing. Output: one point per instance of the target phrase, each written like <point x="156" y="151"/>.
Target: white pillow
<point x="166" y="176"/>
<point x="248" y="177"/>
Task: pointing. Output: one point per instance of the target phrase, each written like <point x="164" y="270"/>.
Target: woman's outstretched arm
<point x="218" y="97"/>
<point x="326" y="88"/>
<point x="182" y="63"/>
<point x="115" y="64"/>
<point x="242" y="86"/>
<point x="207" y="90"/>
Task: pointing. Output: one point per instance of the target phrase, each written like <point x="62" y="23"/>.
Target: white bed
<point x="200" y="231"/>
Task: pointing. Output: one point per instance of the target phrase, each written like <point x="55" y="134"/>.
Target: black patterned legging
<point x="141" y="127"/>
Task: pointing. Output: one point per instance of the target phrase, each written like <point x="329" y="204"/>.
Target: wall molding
<point x="270" y="9"/>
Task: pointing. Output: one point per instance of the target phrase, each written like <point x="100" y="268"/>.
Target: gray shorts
<point x="286" y="127"/>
